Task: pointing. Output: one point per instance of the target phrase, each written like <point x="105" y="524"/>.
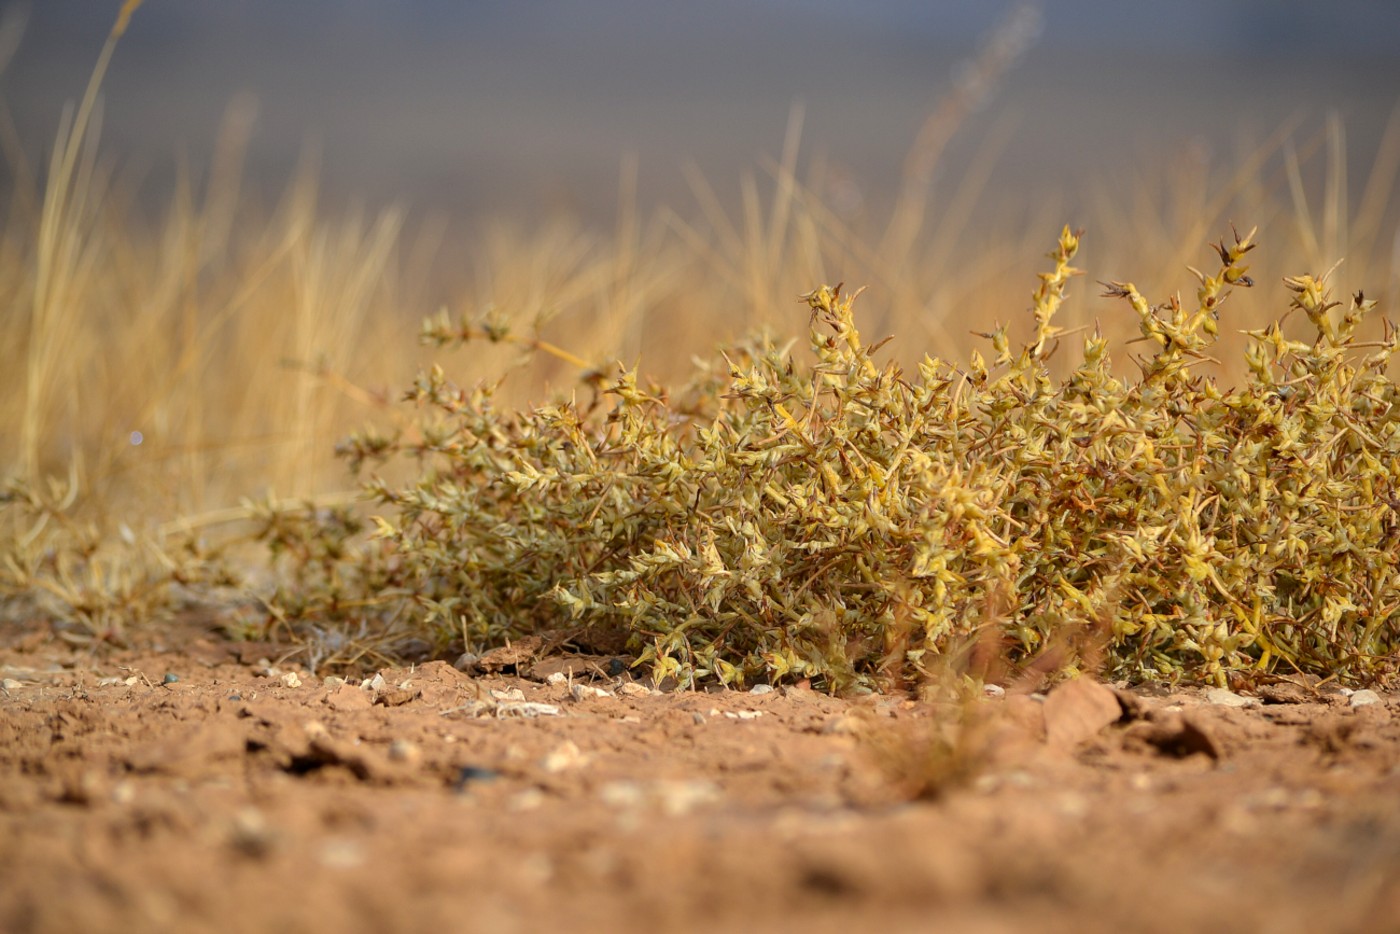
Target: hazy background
<point x="180" y="340"/>
<point x="468" y="108"/>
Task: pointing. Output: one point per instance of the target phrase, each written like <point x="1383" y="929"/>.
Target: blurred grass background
<point x="176" y="341"/>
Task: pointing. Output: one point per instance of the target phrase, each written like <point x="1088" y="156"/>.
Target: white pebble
<point x="679" y="798"/>
<point x="402" y="750"/>
<point x="621" y="794"/>
<point x="1362" y="698"/>
<point x="761" y="689"/>
<point x="527" y="799"/>
<point x="342" y="854"/>
<point x="585" y="691"/>
<point x="564" y="756"/>
<point x="1223" y="698"/>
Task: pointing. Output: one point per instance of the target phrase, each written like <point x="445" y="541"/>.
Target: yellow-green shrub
<point x="824" y="516"/>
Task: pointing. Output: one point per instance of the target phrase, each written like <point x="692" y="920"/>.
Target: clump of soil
<point x="207" y="787"/>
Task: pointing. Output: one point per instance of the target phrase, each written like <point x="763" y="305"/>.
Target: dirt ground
<point x="208" y="787"/>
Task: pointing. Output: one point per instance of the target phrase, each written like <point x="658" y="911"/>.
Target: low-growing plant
<point x="782" y="515"/>
<point x="836" y="519"/>
<point x="57" y="565"/>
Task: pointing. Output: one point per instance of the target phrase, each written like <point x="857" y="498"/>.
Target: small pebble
<point x="170" y="678"/>
<point x="678" y="798"/>
<point x="10" y="684"/>
<point x="1223" y="698"/>
<point x="557" y="678"/>
<point x="291" y="680"/>
<point x="472" y="774"/>
<point x="342" y="854"/>
<point x="251" y="833"/>
<point x="844" y="725"/>
<point x="993" y="690"/>
<point x="1072" y="805"/>
<point x="621" y="794"/>
<point x="527" y="799"/>
<point x="761" y="689"/>
<point x="566" y="755"/>
<point x="584" y="691"/>
<point x="402" y="750"/>
<point x="1362" y="698"/>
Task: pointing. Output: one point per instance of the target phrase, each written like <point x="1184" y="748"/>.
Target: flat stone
<point x="1363" y="698"/>
<point x="1223" y="698"/>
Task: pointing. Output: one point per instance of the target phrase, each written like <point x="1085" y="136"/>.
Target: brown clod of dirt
<point x="397" y="697"/>
<point x="513" y="657"/>
<point x="1076" y="711"/>
<point x="1286" y="692"/>
<point x="344" y="697"/>
<point x="1174" y="734"/>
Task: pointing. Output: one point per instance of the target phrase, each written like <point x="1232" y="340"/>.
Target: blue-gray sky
<point x="521" y="106"/>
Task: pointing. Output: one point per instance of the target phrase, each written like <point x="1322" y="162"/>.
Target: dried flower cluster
<point x="843" y="521"/>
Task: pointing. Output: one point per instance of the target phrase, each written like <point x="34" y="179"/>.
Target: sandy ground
<point x="248" y="796"/>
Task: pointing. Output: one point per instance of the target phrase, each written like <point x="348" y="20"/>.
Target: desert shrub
<point x="823" y="516"/>
<point x="58" y="565"/>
